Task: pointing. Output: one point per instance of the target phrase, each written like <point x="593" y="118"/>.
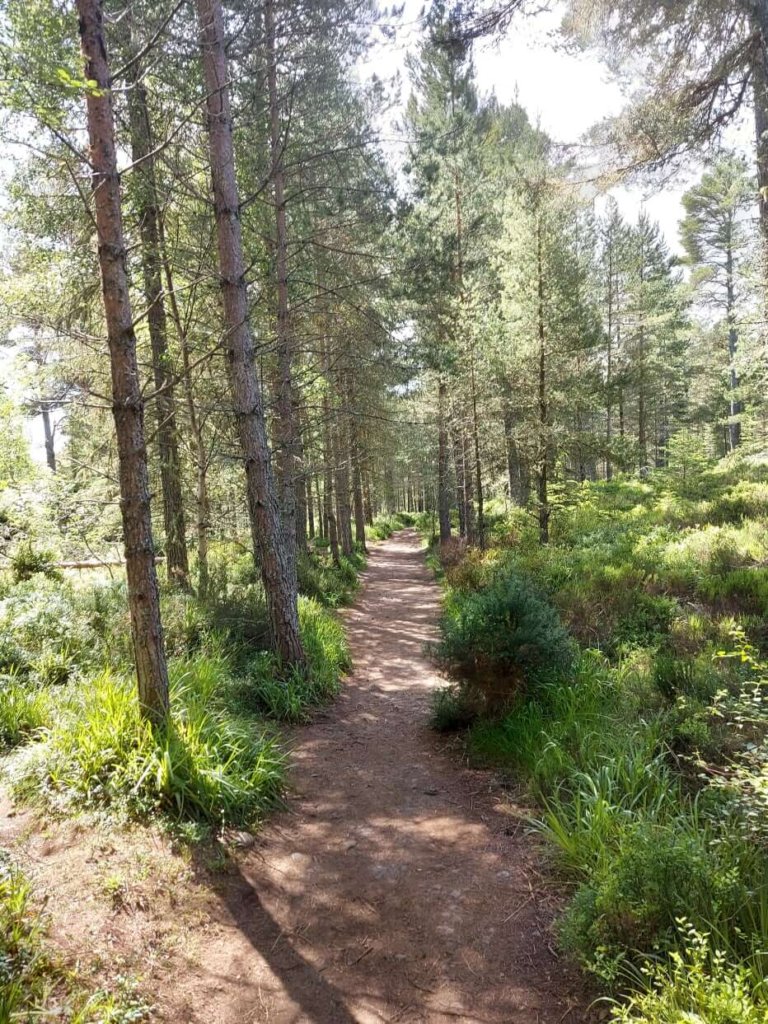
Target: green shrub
<point x="633" y="902"/>
<point x="28" y="561"/>
<point x="47" y="629"/>
<point x="498" y="635"/>
<point x="385" y="525"/>
<point x="205" y="766"/>
<point x="266" y="688"/>
<point x="329" y="584"/>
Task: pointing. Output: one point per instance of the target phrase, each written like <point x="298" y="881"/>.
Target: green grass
<point x="206" y="765"/>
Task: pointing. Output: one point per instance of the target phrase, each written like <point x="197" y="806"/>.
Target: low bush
<point x="383" y="527"/>
<point x="329" y="584"/>
<point x="498" y="636"/>
<point x="28" y="561"/>
<point x="24" y="710"/>
<point x="452" y="709"/>
<point x="267" y="688"/>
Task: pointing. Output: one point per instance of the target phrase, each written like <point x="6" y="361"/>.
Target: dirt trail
<point x="397" y="887"/>
<point x="392" y="890"/>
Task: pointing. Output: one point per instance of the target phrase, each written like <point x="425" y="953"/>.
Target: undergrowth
<point x="647" y="752"/>
<point x="67" y="692"/>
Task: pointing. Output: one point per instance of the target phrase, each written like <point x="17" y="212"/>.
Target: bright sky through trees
<point x="565" y="92"/>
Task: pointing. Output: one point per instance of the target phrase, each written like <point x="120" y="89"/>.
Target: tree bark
<point x="609" y="371"/>
<point x="202" y="500"/>
<point x="461" y="489"/>
<point x="543" y="455"/>
<point x="443" y="481"/>
<point x="50" y="447"/>
<point x="735" y="408"/>
<point x="355" y="455"/>
<point x="177" y="560"/>
<point x="127" y="404"/>
<point x="278" y="569"/>
<point x="286" y="405"/>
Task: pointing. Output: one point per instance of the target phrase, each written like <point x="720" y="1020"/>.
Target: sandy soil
<point x="397" y="886"/>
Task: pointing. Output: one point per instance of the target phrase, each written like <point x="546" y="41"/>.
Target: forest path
<point x="398" y="887"/>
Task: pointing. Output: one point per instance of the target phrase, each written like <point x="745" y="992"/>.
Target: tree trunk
<point x="127" y="404"/>
<point x="476" y="446"/>
<point x="50" y="447"/>
<point x="288" y="435"/>
<point x="147" y="208"/>
<point x="735" y="408"/>
<point x="328" y="496"/>
<point x="461" y="490"/>
<point x="609" y="372"/>
<point x="443" y="481"/>
<point x="760" y="97"/>
<point x="278" y="568"/>
<point x="355" y="451"/>
<point x="543" y="455"/>
<point x="203" y="506"/>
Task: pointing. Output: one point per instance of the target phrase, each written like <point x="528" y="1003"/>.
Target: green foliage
<point x="452" y="709"/>
<point x="24" y="710"/>
<point x="292" y="696"/>
<point x="49" y="631"/>
<point x="27" y="561"/>
<point x="494" y="635"/>
<point x="697" y="985"/>
<point x="207" y="765"/>
<point x="331" y="585"/>
<point x="387" y="524"/>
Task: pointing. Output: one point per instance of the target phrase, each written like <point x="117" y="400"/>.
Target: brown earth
<point x="398" y="886"/>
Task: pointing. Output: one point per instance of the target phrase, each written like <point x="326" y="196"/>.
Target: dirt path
<point x="398" y="887"/>
<point x="391" y="891"/>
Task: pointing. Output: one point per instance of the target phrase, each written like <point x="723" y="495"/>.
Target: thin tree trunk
<point x="735" y="408"/>
<point x="50" y="448"/>
<point x="286" y="421"/>
<point x="476" y="446"/>
<point x="142" y="153"/>
<point x="203" y="506"/>
<point x="343" y="510"/>
<point x="642" y="439"/>
<point x="278" y="568"/>
<point x="127" y="404"/>
<point x="328" y="495"/>
<point x="358" y="502"/>
<point x="609" y="371"/>
<point x="543" y="468"/>
<point x="443" y="481"/>
<point x="368" y="500"/>
<point x="760" y="98"/>
<point x="461" y="490"/>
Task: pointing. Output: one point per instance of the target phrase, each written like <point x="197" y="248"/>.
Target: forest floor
<point x="397" y="886"/>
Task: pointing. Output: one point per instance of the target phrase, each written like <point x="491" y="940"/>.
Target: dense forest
<point x="260" y="311"/>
